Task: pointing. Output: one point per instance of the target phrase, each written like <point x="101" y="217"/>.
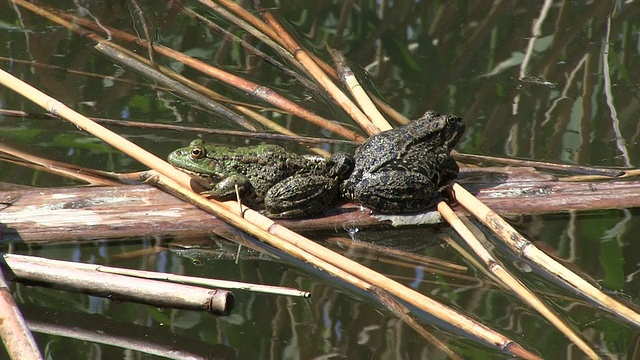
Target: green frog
<point x="402" y="170"/>
<point x="282" y="183"/>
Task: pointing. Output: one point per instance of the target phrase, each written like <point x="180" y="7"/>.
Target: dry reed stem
<point x="15" y="334"/>
<point x="321" y="77"/>
<point x="509" y="281"/>
<point x="216" y="283"/>
<point x="307" y="140"/>
<point x="256" y="27"/>
<point x="524" y="248"/>
<point x="247" y="16"/>
<point x="131" y="60"/>
<point x="117" y="53"/>
<point x="293" y="245"/>
<point x="391" y="112"/>
<point x="153" y="275"/>
<point x="168" y="78"/>
<point x="362" y="98"/>
<point x="259" y="24"/>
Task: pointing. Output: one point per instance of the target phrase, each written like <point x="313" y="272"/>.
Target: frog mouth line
<point x="205" y="177"/>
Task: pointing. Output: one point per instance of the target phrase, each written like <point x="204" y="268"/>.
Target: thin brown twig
<point x="309" y="140"/>
<point x="133" y="61"/>
<point x="145" y="28"/>
<point x="575" y="169"/>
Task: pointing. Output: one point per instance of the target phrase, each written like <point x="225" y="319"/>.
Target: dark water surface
<point x="565" y="90"/>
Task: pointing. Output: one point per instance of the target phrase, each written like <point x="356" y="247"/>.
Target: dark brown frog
<point x="401" y="170"/>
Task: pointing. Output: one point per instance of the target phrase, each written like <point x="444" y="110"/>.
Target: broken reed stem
<point x="524" y="248"/>
<point x="152" y="275"/>
<point x="15" y="334"/>
<point x="85" y="279"/>
<point x="508" y="280"/>
<point x="293" y="243"/>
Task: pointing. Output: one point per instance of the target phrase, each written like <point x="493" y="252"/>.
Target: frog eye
<point x="197" y="152"/>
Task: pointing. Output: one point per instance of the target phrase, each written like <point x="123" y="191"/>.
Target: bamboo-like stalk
<point x="347" y="270"/>
<point x="14" y="331"/>
<point x="87" y="280"/>
<point x="509" y="281"/>
<point x="524" y="248"/>
<point x="284" y="238"/>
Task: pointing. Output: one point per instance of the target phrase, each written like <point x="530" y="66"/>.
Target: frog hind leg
<point x="385" y="192"/>
<point x="300" y="195"/>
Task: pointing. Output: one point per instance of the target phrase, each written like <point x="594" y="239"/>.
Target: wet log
<point x="90" y="213"/>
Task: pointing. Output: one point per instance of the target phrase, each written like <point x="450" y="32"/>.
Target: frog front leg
<point x="226" y="188"/>
<point x="300" y="195"/>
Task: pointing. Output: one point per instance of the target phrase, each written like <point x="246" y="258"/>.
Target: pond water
<point x="550" y="81"/>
